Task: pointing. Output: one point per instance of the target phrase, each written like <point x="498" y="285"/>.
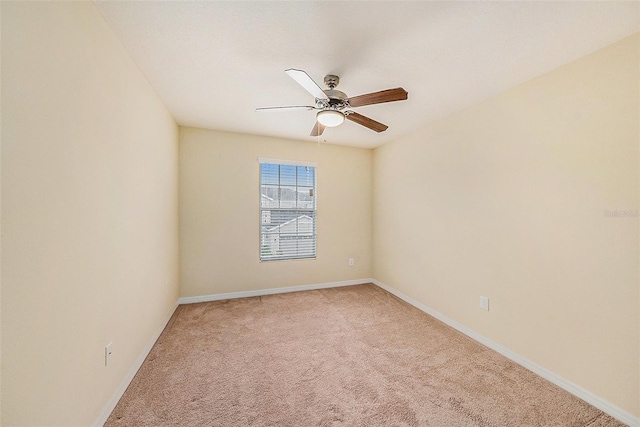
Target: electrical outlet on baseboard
<point x="484" y="303"/>
<point x="108" y="351"/>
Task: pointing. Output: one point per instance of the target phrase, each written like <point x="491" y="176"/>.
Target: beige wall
<point x="509" y="199"/>
<point x="219" y="216"/>
<point x="89" y="212"/>
<point x="0" y="219"/>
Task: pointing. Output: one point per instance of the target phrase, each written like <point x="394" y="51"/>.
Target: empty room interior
<point x="320" y="213"/>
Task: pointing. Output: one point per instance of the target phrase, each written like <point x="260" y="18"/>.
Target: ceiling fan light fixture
<point x="330" y="118"/>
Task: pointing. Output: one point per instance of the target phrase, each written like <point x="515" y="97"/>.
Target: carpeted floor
<point x="351" y="356"/>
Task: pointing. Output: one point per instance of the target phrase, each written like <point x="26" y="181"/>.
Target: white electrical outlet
<point x="351" y="261"/>
<point x="484" y="303"/>
<point x="108" y="351"/>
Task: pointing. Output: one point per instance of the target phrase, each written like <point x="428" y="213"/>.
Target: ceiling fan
<point x="334" y="106"/>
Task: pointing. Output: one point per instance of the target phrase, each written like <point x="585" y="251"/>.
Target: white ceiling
<point x="213" y="63"/>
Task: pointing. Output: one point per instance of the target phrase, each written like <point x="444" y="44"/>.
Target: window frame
<point x="296" y="164"/>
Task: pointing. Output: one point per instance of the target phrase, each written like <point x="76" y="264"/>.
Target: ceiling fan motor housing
<point x="337" y="99"/>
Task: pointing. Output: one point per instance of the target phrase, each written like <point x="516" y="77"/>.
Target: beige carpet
<point x="352" y="356"/>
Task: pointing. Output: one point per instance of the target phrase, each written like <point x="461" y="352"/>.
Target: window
<point x="287" y="210"/>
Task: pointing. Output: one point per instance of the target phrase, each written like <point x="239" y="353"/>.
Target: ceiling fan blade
<point x="317" y="130"/>
<point x="389" y="95"/>
<point x="307" y="82"/>
<point x="366" y="122"/>
<point x="291" y="108"/>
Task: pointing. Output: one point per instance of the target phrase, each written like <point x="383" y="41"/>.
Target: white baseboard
<point x="111" y="404"/>
<point x="563" y="383"/>
<point x="272" y="291"/>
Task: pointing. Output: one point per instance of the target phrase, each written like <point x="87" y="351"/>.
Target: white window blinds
<point x="287" y="210"/>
